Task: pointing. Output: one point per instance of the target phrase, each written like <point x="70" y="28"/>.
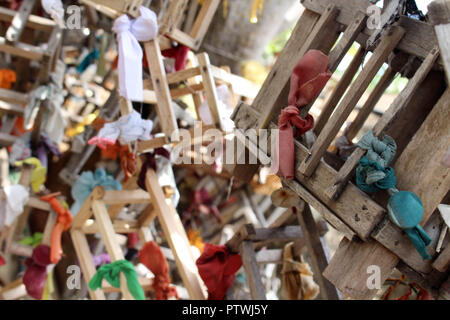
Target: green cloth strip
<point x="111" y="273"/>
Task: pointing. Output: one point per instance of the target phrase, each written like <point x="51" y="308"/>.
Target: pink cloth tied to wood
<point x="202" y="202"/>
<point x="308" y="78"/>
<point x="152" y="257"/>
<point x="217" y="267"/>
<point x="35" y="276"/>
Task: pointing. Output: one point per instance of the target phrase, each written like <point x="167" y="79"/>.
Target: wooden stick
<point x="177" y="238"/>
<point x="112" y="246"/>
<point x="439" y="13"/>
<point x="370" y="104"/>
<point x="342" y="112"/>
<point x="19" y="22"/>
<point x="399" y="103"/>
<point x="252" y="274"/>
<point x="317" y="252"/>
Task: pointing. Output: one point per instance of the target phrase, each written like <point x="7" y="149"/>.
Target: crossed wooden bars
<point x="418" y="167"/>
<point x="96" y="205"/>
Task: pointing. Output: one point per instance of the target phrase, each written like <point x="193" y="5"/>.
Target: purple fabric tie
<point x="150" y="162"/>
<point x="45" y="145"/>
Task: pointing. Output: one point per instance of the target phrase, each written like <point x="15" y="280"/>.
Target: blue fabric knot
<point x="406" y="210"/>
<point x="373" y="174"/>
<point x="86" y="183"/>
<point x="380" y="151"/>
<point x="372" y="177"/>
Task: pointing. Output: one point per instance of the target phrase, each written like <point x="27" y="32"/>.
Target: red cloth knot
<point x="308" y="78"/>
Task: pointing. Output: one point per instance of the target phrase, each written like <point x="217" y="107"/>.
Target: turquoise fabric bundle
<point x="373" y="174"/>
<point x="84" y="185"/>
<point x="111" y="273"/>
<point x="88" y="60"/>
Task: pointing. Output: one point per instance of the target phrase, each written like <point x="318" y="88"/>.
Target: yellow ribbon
<point x="39" y="174"/>
<point x="79" y="128"/>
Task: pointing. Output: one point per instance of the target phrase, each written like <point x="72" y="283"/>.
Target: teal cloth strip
<point x="373" y="174"/>
<point x="110" y="272"/>
<point x="420" y="240"/>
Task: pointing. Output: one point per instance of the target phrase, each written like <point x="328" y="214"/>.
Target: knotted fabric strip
<point x="39" y="174"/>
<point x="111" y="273"/>
<point x="150" y="163"/>
<point x="127" y="129"/>
<point x="63" y="221"/>
<point x="35" y="276"/>
<point x="32" y="241"/>
<point x="308" y="78"/>
<point x="373" y="174"/>
<point x="217" y="267"/>
<point x="86" y="183"/>
<point x="7" y="78"/>
<point x="16" y="196"/>
<point x="101" y="259"/>
<point x="406" y="210"/>
<point x="179" y="53"/>
<point x="45" y="145"/>
<point x="152" y="257"/>
<point x="129" y="33"/>
<point x="127" y="158"/>
<point x="297" y="278"/>
<point x="202" y="202"/>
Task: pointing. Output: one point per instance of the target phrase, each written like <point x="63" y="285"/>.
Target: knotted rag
<point x="86" y="183"/>
<point x="309" y="77"/>
<point x="217" y="267"/>
<point x="202" y="203"/>
<point x="152" y="257"/>
<point x="36" y="274"/>
<point x="150" y="163"/>
<point x="111" y="273"/>
<point x="128" y="128"/>
<point x="16" y="196"/>
<point x="373" y="174"/>
<point x="39" y="174"/>
<point x="63" y="221"/>
<point x="129" y="33"/>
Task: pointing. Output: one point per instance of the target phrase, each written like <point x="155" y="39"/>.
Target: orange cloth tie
<point x="62" y="224"/>
<point x="7" y="78"/>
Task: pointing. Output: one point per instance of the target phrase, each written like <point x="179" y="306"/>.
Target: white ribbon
<point x="10" y="208"/>
<point x="129" y="32"/>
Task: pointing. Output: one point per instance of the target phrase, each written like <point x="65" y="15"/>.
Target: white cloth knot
<point x="128" y="128"/>
<point x="129" y="32"/>
<point x="10" y="208"/>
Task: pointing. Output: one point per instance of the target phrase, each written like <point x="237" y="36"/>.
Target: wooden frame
<point x="193" y="39"/>
<point x="106" y="224"/>
<point x="340" y="202"/>
<point x="168" y="23"/>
